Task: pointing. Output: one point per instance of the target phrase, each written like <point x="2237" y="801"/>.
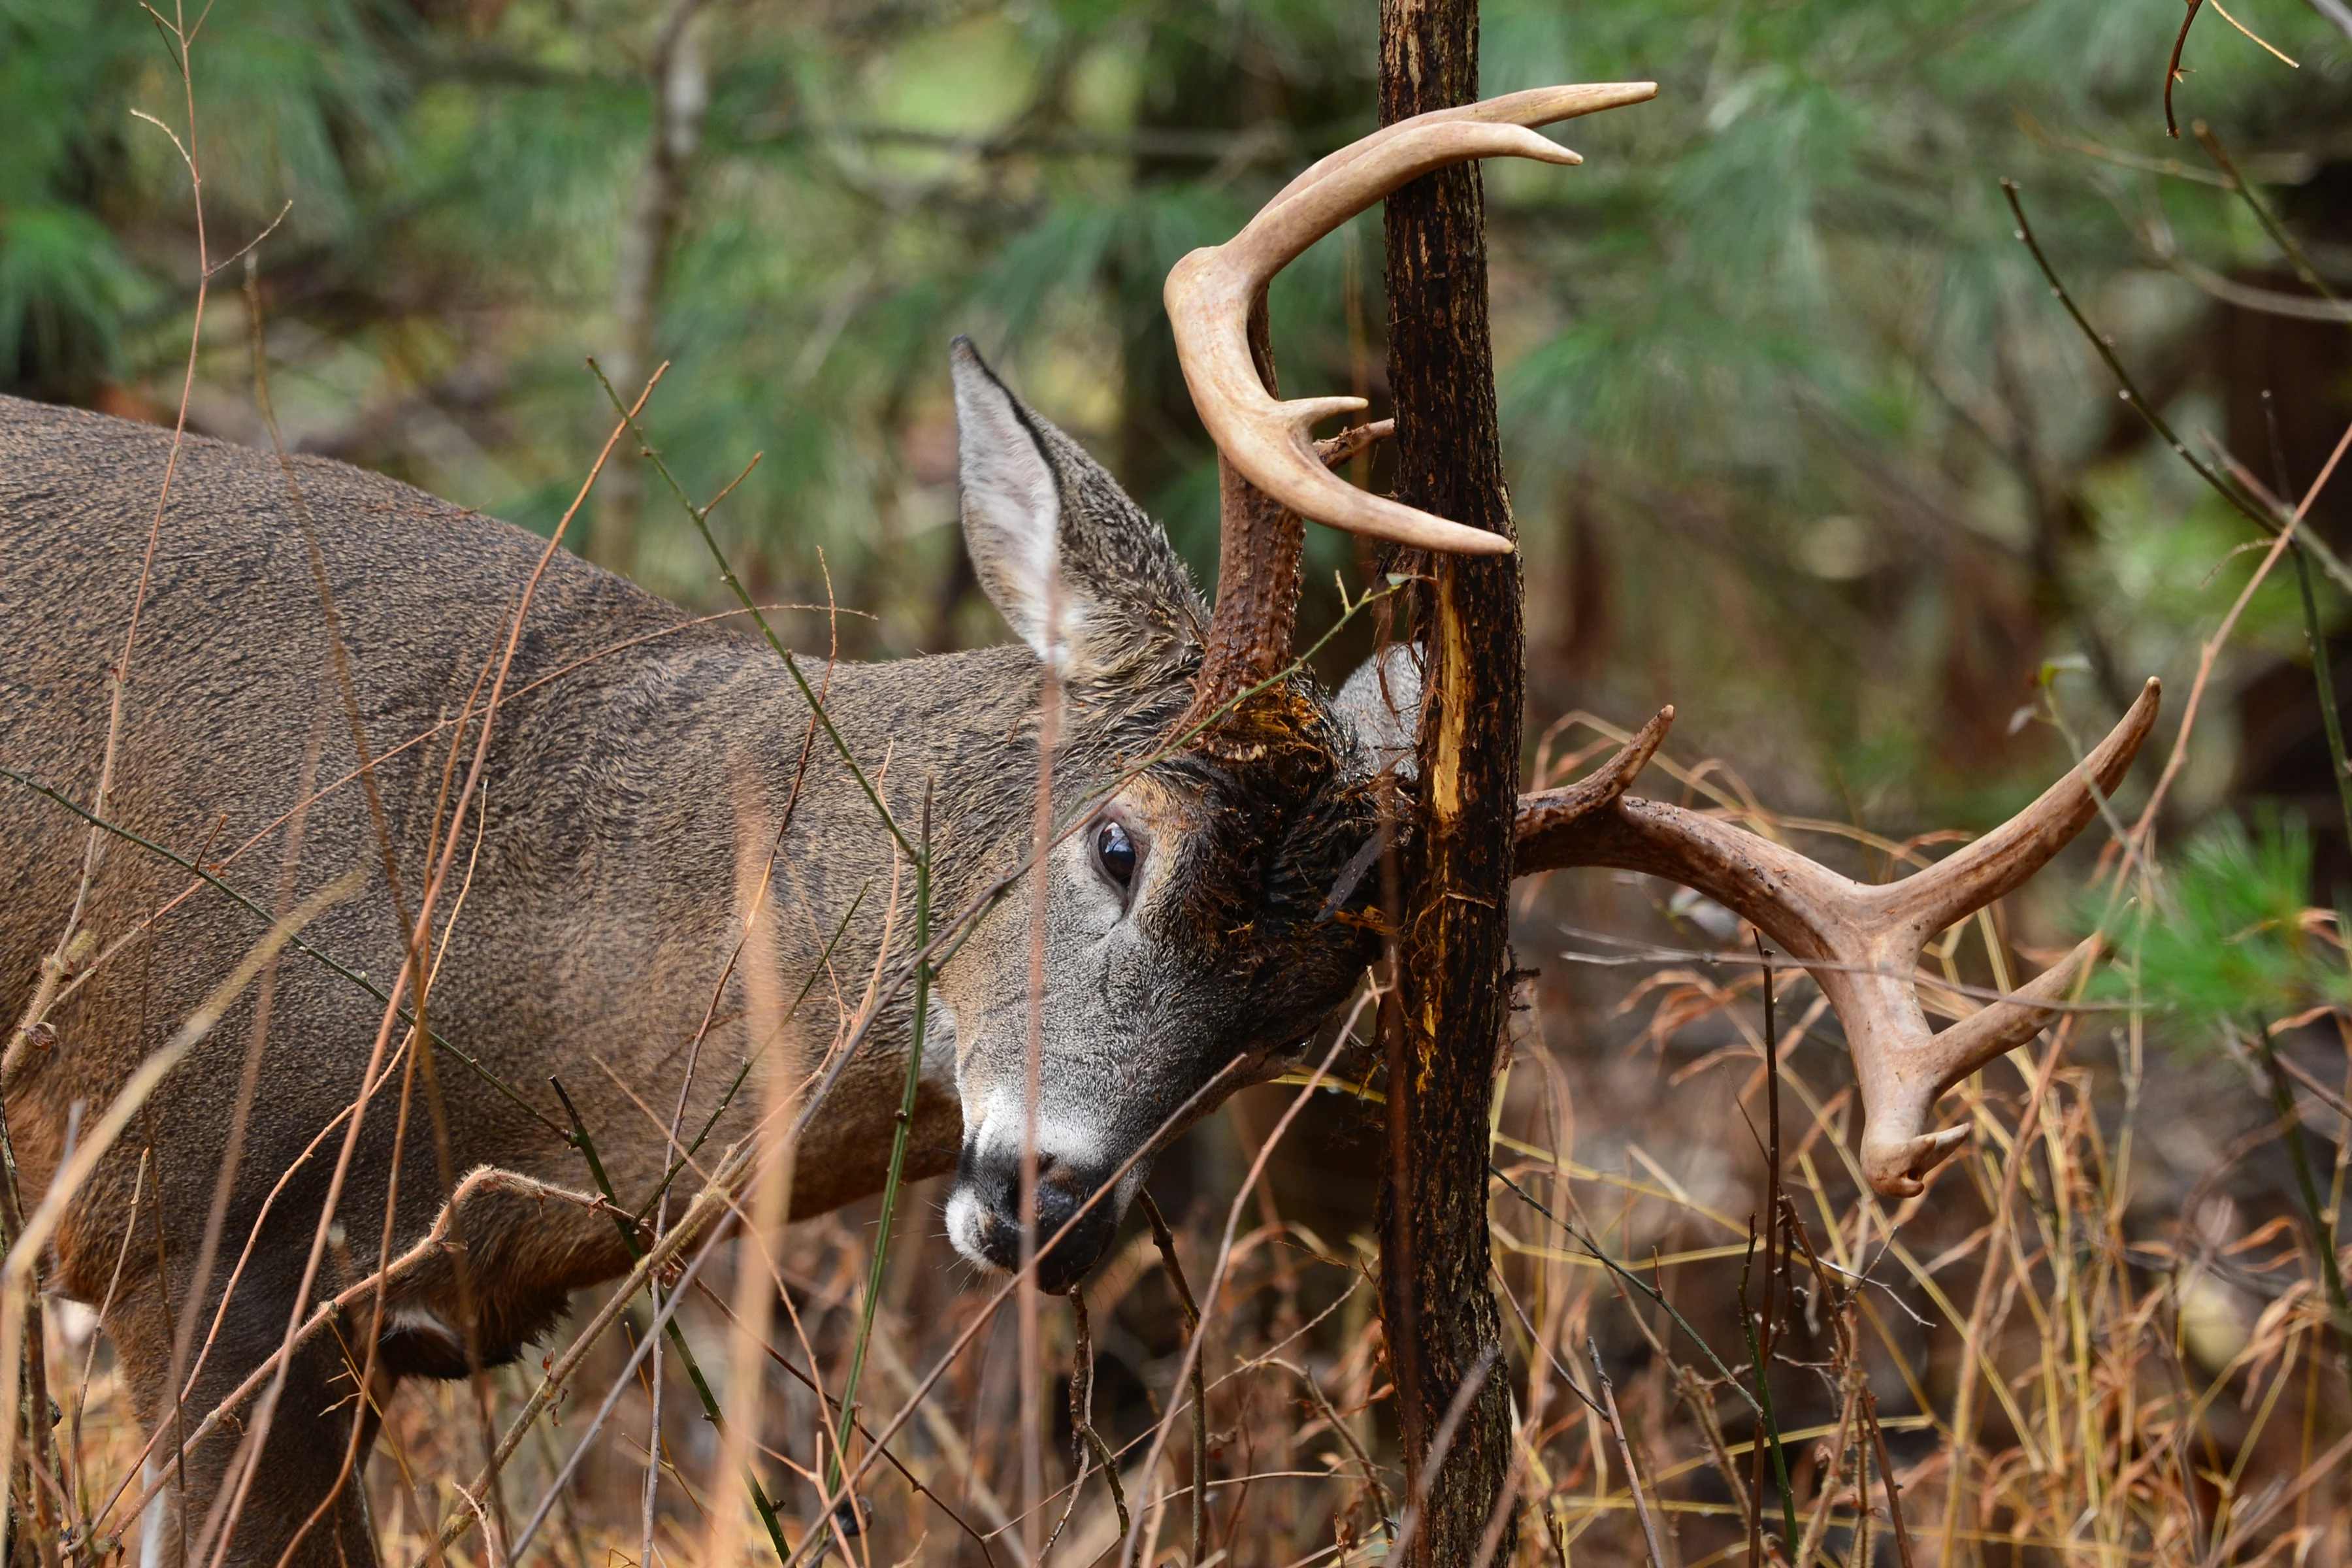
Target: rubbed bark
<point x="1453" y="953"/>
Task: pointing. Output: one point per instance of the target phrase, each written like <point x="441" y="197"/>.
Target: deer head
<point x="1216" y="910"/>
<point x="1214" y="913"/>
<point x="1186" y="928"/>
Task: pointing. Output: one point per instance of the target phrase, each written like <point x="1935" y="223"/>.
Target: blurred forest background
<point x="1798" y="441"/>
<point x="1784" y="402"/>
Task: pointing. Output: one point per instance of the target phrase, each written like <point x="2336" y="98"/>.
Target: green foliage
<point x="1782" y="399"/>
<point x="2231" y="947"/>
<point x="64" y="289"/>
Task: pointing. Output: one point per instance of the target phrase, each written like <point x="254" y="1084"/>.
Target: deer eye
<point x="1115" y="853"/>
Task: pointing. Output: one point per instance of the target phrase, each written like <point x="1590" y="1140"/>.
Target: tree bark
<point x="1451" y="1001"/>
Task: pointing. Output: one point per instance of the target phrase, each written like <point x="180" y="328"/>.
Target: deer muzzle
<point x="1075" y="1216"/>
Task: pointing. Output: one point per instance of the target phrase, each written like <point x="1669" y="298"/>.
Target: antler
<point x="1272" y="474"/>
<point x="1210" y="294"/>
<point x="1861" y="943"/>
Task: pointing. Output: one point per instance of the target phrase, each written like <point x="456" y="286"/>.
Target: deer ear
<point x="1012" y="507"/>
<point x="1381" y="702"/>
<point x="1042" y="517"/>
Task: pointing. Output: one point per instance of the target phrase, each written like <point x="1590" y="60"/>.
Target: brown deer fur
<point x="632" y="796"/>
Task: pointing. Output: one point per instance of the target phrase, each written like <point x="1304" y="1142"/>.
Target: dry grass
<point x="2078" y="1344"/>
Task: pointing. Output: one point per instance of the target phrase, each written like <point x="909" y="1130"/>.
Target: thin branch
<point x="1625" y="1455"/>
<point x="2172" y="67"/>
<point x="2130" y="393"/>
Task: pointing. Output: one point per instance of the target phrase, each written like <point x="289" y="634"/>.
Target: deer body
<point x="620" y="805"/>
<point x="618" y="802"/>
<point x="640" y="770"/>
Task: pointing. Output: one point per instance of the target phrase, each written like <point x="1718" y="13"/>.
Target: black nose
<point x="1071" y="1242"/>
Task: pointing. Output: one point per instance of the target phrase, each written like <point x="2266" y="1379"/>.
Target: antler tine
<point x="2003" y="860"/>
<point x="1861" y="943"/>
<point x="1210" y="293"/>
<point x="1536" y="106"/>
<point x="1556" y="812"/>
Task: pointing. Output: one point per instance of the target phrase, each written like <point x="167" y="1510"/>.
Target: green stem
<point x="2253" y="510"/>
<point x="744" y="1072"/>
<point x="2263" y="214"/>
<point x="1763" y="1403"/>
<point x="1656" y="1296"/>
<point x="701" y="516"/>
<point x="2325" y="679"/>
<point x="834" y="1463"/>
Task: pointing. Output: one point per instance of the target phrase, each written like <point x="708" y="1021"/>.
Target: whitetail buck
<point x="1199" y="925"/>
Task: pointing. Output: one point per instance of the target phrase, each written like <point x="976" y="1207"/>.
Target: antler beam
<point x="1271" y="470"/>
<point x="1861" y="943"/>
<point x="1210" y="293"/>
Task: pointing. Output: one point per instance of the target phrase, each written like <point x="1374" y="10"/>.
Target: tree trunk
<point x="1453" y="952"/>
